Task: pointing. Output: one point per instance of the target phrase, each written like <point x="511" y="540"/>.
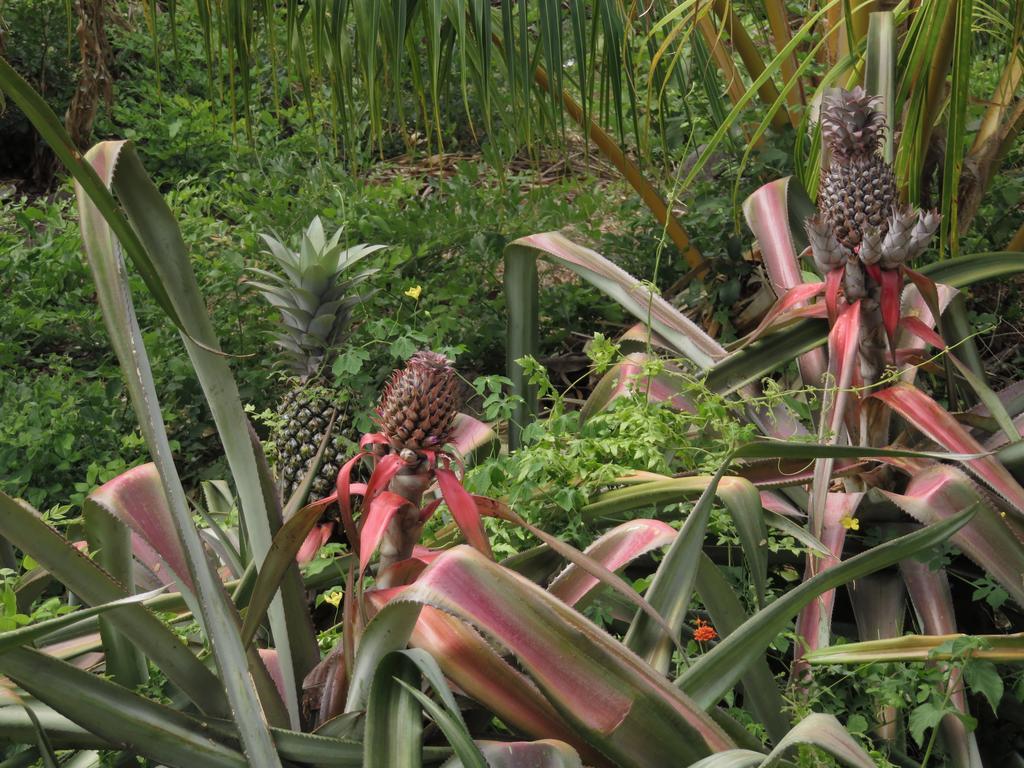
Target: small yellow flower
<point x="850" y="523"/>
<point x="333" y="598"/>
<point x="414" y="292"/>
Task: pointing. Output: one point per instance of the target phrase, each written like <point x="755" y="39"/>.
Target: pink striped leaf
<point x="989" y="399"/>
<point x="814" y="623"/>
<point x="547" y="753"/>
<point x="943" y="491"/>
<point x="494" y="508"/>
<point x="314" y="540"/>
<point x="606" y="694"/>
<point x="919" y="410"/>
<point x="767" y="215"/>
<point x="470" y="434"/>
<point x="634" y="295"/>
<point x="384" y="506"/>
<point x="614" y="549"/>
<point x="137" y="499"/>
<point x="625" y="377"/>
<point x="464" y="510"/>
<point x="783" y="310"/>
<point x="889" y="303"/>
<point x="843" y="349"/>
<point x="932" y="599"/>
<point x="471" y="663"/>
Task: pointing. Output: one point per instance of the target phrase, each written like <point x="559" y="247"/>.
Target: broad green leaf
<point x="121" y="167"/>
<point x="116" y="714"/>
<point x="880" y="72"/>
<point x="111" y="543"/>
<point x="761" y="692"/>
<point x="672" y="587"/>
<point x="998" y="648"/>
<point x="393" y="723"/>
<point x="636" y="297"/>
<point x="716" y="672"/>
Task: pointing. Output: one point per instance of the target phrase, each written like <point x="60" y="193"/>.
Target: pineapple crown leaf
<point x="315" y="304"/>
<point x="851" y="122"/>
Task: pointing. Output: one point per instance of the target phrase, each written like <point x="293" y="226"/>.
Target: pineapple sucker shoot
<point x="859" y="227"/>
<point x="315" y="306"/>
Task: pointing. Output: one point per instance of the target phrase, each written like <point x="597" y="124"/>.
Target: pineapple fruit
<point x="419" y="404"/>
<point x="857" y="189"/>
<point x="315" y="306"/>
<point x="860" y="227"/>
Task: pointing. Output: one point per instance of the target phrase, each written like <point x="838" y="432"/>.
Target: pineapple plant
<point x="861" y="233"/>
<point x="315" y="306"/>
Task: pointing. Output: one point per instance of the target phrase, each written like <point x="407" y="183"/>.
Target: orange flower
<point x="704" y="631"/>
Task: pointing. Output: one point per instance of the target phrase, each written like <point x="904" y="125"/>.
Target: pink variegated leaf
<point x="343" y="495"/>
<point x="271" y="661"/>
<point x="500" y="510"/>
<point x="813" y="625"/>
<point x="472" y="664"/>
<point x="605" y="694"/>
<point x="889" y="303"/>
<point x="641" y="335"/>
<point x="429" y="509"/>
<point x="941" y="492"/>
<point x="635" y="296"/>
<point x="989" y="398"/>
<point x="843" y="346"/>
<point x="767" y="215"/>
<point x="313" y="542"/>
<point x="470" y="434"/>
<point x="933" y="601"/>
<point x="547" y="753"/>
<point x="385" y="471"/>
<point x="783" y="309"/>
<point x="136" y="498"/>
<point x="464" y="510"/>
<point x="151" y="569"/>
<point x="614" y="549"/>
<point x="380" y="511"/>
<point x="832" y="282"/>
<point x="927" y="416"/>
<point x="402" y="573"/>
<point x="626" y="377"/>
<point x="928" y="292"/>
<point x="780" y="505"/>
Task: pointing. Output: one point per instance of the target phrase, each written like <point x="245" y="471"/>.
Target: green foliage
<point x="564" y="463"/>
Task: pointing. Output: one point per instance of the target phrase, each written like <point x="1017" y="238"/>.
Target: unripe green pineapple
<point x="858" y="189"/>
<point x="315" y="306"/>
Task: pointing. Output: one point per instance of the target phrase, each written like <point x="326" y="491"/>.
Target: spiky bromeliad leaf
<point x="716" y="672"/>
<point x="607" y="695"/>
<point x="159" y="233"/>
